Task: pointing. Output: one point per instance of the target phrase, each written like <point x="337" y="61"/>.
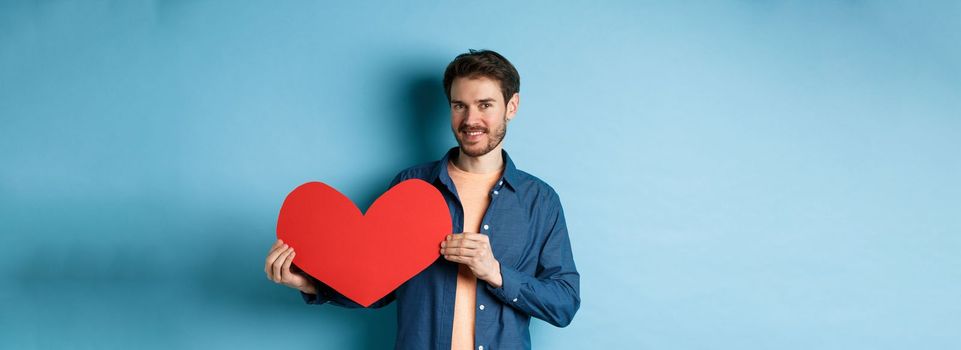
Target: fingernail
<point x="285" y="246"/>
<point x="443" y="244"/>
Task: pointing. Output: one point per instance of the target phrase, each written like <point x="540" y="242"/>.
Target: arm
<point x="553" y="292"/>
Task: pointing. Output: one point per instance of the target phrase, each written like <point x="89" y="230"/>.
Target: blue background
<point x="736" y="175"/>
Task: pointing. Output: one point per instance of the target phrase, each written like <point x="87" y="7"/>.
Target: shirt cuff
<point x="511" y="281"/>
<point x="312" y="298"/>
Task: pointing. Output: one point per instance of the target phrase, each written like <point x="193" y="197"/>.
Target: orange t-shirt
<point x="474" y="192"/>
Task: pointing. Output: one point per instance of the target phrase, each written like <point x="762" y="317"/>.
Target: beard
<point x="479" y="149"/>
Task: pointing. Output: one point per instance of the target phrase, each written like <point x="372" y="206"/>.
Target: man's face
<point x="478" y="114"/>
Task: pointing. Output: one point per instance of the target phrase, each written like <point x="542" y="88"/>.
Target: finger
<point x="271" y="257"/>
<point x="458" y="243"/>
<point x="269" y="261"/>
<point x="285" y="273"/>
<point x="455" y="258"/>
<point x="463" y="237"/>
<point x="461" y="259"/>
<point x="278" y="263"/>
<point x="454" y="243"/>
<point x="475" y="237"/>
<point x="459" y="252"/>
<point x="277" y="243"/>
<point x="478" y="241"/>
<point x="276" y="251"/>
<point x="454" y="250"/>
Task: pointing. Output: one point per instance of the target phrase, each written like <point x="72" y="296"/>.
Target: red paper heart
<point x="364" y="256"/>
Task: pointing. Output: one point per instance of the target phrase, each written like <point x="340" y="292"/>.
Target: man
<point x="510" y="256"/>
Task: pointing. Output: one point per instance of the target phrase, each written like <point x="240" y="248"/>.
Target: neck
<point x="485" y="164"/>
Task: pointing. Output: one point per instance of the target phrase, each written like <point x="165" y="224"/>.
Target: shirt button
<point x="515" y="300"/>
<point x="482" y="307"/>
<point x="495" y="192"/>
<point x="480" y="347"/>
<point x="501" y="182"/>
<point x="486" y="227"/>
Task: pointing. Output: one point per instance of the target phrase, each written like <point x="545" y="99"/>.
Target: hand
<point x="278" y="268"/>
<point x="473" y="250"/>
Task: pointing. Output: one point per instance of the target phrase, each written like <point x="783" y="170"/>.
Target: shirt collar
<point x="509" y="177"/>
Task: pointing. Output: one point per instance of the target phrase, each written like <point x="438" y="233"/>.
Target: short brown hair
<point x="483" y="63"/>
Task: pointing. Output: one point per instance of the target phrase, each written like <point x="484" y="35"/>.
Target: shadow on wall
<point x="424" y="122"/>
<point x="428" y="118"/>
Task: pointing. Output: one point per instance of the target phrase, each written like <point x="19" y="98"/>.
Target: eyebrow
<point x="479" y="101"/>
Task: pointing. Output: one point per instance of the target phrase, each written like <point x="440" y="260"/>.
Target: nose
<point x="473" y="115"/>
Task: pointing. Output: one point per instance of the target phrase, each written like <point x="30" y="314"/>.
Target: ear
<point x="512" y="105"/>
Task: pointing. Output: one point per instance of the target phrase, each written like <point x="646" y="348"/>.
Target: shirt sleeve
<point x="553" y="292"/>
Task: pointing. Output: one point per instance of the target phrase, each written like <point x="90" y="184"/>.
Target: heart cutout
<point x="364" y="256"/>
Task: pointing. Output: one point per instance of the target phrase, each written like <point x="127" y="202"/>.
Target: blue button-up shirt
<point x="528" y="236"/>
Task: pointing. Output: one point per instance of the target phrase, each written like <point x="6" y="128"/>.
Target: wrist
<point x="495" y="279"/>
<point x="308" y="288"/>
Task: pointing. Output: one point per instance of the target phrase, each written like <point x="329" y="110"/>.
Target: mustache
<point x="472" y="128"/>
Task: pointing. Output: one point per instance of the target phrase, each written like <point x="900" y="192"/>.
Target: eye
<point x="458" y="106"/>
<point x="485" y="105"/>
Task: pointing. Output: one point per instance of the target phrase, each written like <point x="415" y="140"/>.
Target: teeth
<point x="474" y="133"/>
